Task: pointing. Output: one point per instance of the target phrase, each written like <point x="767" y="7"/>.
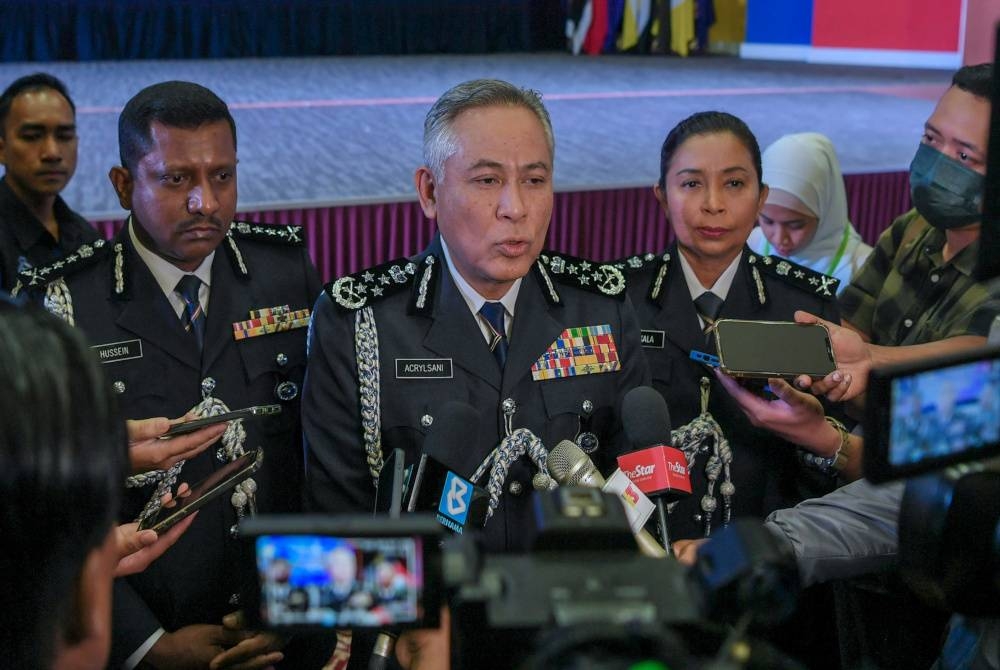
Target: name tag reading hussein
<point x="115" y="352"/>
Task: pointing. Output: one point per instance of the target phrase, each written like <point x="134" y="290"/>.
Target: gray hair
<point x="440" y="142"/>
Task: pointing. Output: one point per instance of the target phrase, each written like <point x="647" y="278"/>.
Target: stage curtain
<point x="79" y="30"/>
<point x="601" y="225"/>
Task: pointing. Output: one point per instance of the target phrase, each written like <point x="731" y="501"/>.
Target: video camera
<point x="583" y="590"/>
<point x="942" y="417"/>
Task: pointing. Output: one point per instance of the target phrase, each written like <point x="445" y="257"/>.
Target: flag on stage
<point x="681" y="26"/>
<point x="637" y="14"/>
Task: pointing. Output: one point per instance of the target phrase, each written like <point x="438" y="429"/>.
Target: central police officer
<point x="485" y="313"/>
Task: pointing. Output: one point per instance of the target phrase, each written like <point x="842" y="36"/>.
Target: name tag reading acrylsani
<point x="424" y="368"/>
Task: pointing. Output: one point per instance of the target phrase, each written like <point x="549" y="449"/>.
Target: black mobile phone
<point x="195" y="424"/>
<point x="926" y="415"/>
<point x="762" y="349"/>
<point x="359" y="572"/>
<point x="205" y="491"/>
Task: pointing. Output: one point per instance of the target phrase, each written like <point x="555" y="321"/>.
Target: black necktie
<point x="193" y="317"/>
<point x="494" y="312"/>
<point x="708" y="305"/>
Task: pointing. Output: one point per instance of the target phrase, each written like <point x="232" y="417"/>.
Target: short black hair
<point x="63" y="460"/>
<point x="708" y="123"/>
<point x="178" y="104"/>
<point x="975" y="79"/>
<point x="38" y="81"/>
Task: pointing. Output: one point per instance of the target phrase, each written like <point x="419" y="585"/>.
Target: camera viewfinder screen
<point x="318" y="580"/>
<point x="944" y="412"/>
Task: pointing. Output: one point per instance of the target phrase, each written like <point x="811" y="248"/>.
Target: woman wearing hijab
<point x="805" y="217"/>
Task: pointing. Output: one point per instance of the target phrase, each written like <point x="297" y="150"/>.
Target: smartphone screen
<point x="324" y="580"/>
<point x="219" y="482"/>
<point x="773" y="349"/>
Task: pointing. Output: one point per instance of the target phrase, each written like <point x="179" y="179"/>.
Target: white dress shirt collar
<point x="167" y="274"/>
<point x="475" y="301"/>
<point x="720" y="287"/>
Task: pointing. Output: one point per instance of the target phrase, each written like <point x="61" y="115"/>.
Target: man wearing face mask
<point x="918" y="285"/>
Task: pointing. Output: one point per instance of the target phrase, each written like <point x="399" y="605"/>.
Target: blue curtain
<point x="46" y="30"/>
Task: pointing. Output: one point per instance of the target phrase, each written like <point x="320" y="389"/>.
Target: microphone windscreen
<point x="454" y="427"/>
<point x="570" y="466"/>
<point x="645" y="417"/>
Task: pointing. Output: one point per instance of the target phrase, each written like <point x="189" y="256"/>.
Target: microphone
<point x="441" y="483"/>
<point x="570" y="466"/>
<point x="660" y="471"/>
<point x="392" y="479"/>
<point x="436" y="484"/>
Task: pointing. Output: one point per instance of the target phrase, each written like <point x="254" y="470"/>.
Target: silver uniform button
<point x="234" y="531"/>
<point x="908" y="323"/>
<point x="508" y="406"/>
<point x="515" y="488"/>
<point x="119" y="387"/>
<point x="281" y="360"/>
<point x="588" y="407"/>
<point x="426" y="420"/>
<point x="286" y="391"/>
<point x="935" y="278"/>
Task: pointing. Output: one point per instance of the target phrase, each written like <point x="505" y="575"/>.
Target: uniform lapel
<point x="535" y="329"/>
<point x="148" y="313"/>
<point x="230" y="301"/>
<point x="743" y="296"/>
<point x="455" y="334"/>
<point x="677" y="316"/>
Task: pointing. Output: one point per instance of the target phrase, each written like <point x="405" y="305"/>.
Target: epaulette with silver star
<point x="361" y="289"/>
<point x="268" y="232"/>
<point x="658" y="263"/>
<point x="83" y="256"/>
<point x="602" y="278"/>
<point x="807" y="279"/>
<point x="639" y="262"/>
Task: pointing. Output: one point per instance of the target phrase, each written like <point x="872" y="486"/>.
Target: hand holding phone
<point x="186" y="427"/>
<point x="148" y="452"/>
<point x="138" y="548"/>
<point x="792" y="415"/>
<point x="205" y="491"/>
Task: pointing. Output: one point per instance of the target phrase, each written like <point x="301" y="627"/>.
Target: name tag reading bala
<point x="423" y="368"/>
<point x="115" y="352"/>
<point x="652" y="338"/>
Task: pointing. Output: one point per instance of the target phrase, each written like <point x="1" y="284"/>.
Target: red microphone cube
<point x="657" y="470"/>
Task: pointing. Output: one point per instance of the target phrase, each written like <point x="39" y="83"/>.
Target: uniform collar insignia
<point x="83" y="256"/>
<point x="358" y="290"/>
<point x="602" y="278"/>
<point x="268" y="232"/>
<point x="659" y="263"/>
<point x="800" y="276"/>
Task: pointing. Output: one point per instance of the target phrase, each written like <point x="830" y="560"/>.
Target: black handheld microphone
<point x="437" y="482"/>
<point x="441" y="481"/>
<point x="660" y="471"/>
